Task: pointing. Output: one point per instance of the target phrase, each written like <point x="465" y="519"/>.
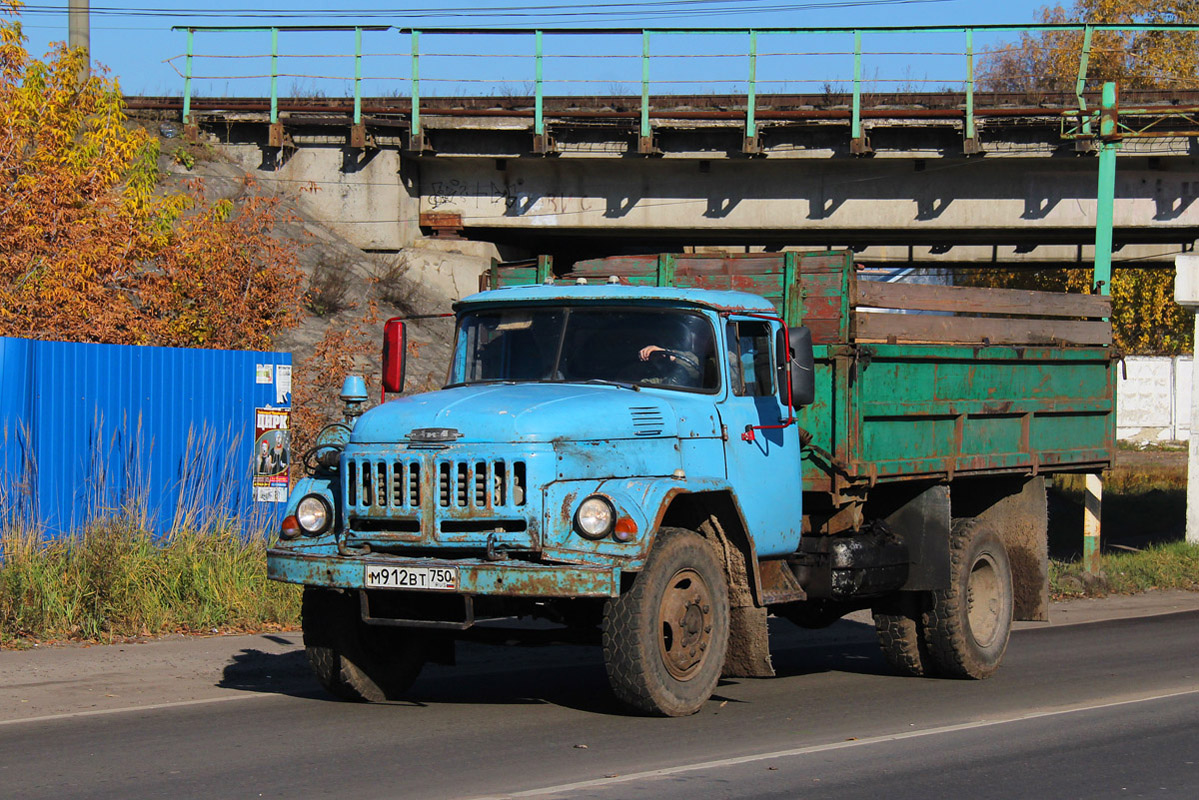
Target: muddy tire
<point x="967" y="626"/>
<point x="665" y="638"/>
<point x="355" y="661"/>
<point x="899" y="625"/>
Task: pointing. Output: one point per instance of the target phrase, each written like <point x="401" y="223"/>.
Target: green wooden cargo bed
<point x="914" y="382"/>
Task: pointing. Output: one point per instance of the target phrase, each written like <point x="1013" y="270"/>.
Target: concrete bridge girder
<point x="960" y="200"/>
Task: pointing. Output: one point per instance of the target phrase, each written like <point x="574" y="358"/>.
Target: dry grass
<point x="1144" y="514"/>
<point x="1163" y="566"/>
<point x="114" y="580"/>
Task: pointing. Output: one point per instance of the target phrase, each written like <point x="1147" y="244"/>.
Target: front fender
<point x="643" y="501"/>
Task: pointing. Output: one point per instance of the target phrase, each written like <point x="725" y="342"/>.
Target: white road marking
<point x="125" y="710"/>
<point x="599" y="783"/>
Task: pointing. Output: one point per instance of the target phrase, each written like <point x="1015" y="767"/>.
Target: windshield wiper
<point x="605" y="382"/>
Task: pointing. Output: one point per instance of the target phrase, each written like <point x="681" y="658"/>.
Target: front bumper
<point x="475" y="576"/>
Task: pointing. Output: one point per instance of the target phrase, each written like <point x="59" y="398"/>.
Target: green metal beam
<point x="855" y="131"/>
<point x="1106" y="197"/>
<point x="187" y="79"/>
<point x="645" y="129"/>
<point x="1047" y="26"/>
<point x="274" y="75"/>
<point x="538" y="110"/>
<point x="1081" y="83"/>
<point x="751" y="100"/>
<point x="416" y="83"/>
<point x="358" y="76"/>
<point x="969" y="83"/>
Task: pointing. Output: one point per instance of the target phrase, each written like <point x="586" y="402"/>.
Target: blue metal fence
<point x="165" y="434"/>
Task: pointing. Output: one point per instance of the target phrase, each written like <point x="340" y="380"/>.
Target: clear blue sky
<point x="134" y="39"/>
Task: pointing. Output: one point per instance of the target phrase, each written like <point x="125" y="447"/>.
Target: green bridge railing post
<point x="274" y="75"/>
<point x="357" y="75"/>
<point x="646" y="133"/>
<point x="538" y="109"/>
<point x="415" y="124"/>
<point x="751" y="95"/>
<point x="971" y="142"/>
<point x="857" y="144"/>
<point x="187" y="79"/>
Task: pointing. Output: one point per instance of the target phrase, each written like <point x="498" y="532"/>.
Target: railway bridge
<point x="923" y="178"/>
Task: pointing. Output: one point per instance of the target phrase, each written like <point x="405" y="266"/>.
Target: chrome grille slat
<point x="387" y="485"/>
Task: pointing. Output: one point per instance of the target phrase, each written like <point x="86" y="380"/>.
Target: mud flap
<point x="748" y="655"/>
<point x="1021" y="519"/>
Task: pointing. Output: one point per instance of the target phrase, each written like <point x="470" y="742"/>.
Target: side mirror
<point x="395" y="342"/>
<point x="797" y="367"/>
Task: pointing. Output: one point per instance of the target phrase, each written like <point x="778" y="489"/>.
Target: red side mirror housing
<point x="395" y="342"/>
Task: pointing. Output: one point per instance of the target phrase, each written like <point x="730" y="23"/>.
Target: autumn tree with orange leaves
<point x="1145" y="318"/>
<point x="92" y="248"/>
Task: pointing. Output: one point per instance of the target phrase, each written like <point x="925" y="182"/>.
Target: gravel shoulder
<point x="83" y="680"/>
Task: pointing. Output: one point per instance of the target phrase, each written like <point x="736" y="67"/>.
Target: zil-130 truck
<point x="658" y="452"/>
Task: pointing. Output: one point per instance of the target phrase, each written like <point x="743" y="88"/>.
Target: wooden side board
<point x="965" y="299"/>
<point x="968" y="315"/>
<point x="884" y="327"/>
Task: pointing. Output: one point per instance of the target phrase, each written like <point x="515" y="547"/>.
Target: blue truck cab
<point x="608" y="455"/>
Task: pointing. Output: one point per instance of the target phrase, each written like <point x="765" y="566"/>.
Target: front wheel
<point x="353" y="660"/>
<point x="665" y="638"/>
<point x="967" y="626"/>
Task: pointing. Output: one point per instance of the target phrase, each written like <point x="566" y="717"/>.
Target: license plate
<point x="435" y="578"/>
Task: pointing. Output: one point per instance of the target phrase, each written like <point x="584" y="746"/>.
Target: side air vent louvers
<point x="647" y="421"/>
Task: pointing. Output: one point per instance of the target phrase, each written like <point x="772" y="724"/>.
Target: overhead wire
<point x="654" y="10"/>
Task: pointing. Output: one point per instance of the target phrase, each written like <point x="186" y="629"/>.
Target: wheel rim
<point x="984" y="601"/>
<point x="685" y="624"/>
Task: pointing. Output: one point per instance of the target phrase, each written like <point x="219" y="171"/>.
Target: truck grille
<point x="480" y="484"/>
<point x="384" y="484"/>
<point x="377" y="485"/>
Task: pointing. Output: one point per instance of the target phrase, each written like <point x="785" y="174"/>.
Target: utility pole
<point x="1109" y="138"/>
<point x="1186" y="293"/>
<point x="80" y="34"/>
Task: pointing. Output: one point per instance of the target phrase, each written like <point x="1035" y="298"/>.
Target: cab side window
<point x="750" y="366"/>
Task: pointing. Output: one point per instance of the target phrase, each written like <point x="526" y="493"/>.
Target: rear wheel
<point x="353" y="660"/>
<point x="665" y="638"/>
<point x="900" y="628"/>
<point x="967" y="626"/>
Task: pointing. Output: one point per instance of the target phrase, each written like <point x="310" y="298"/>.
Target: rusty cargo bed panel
<point x="914" y="381"/>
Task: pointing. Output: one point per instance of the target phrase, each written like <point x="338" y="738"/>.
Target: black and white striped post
<point x="1186" y="293"/>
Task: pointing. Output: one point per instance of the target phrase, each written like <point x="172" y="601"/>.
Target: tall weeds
<point x="114" y="580"/>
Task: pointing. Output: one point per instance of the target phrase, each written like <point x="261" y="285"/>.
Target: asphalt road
<point x="1108" y="709"/>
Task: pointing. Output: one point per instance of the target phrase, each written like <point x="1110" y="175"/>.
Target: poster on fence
<point x="272" y="454"/>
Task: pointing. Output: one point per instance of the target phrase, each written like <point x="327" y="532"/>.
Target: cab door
<point x="763" y="468"/>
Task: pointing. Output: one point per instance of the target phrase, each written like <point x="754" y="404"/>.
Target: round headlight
<point x="314" y="514"/>
<point x="595" y="517"/>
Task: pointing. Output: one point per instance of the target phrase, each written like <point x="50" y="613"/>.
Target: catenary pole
<point x="79" y="34"/>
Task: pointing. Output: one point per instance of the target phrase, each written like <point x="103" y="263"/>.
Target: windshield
<point x="650" y="347"/>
